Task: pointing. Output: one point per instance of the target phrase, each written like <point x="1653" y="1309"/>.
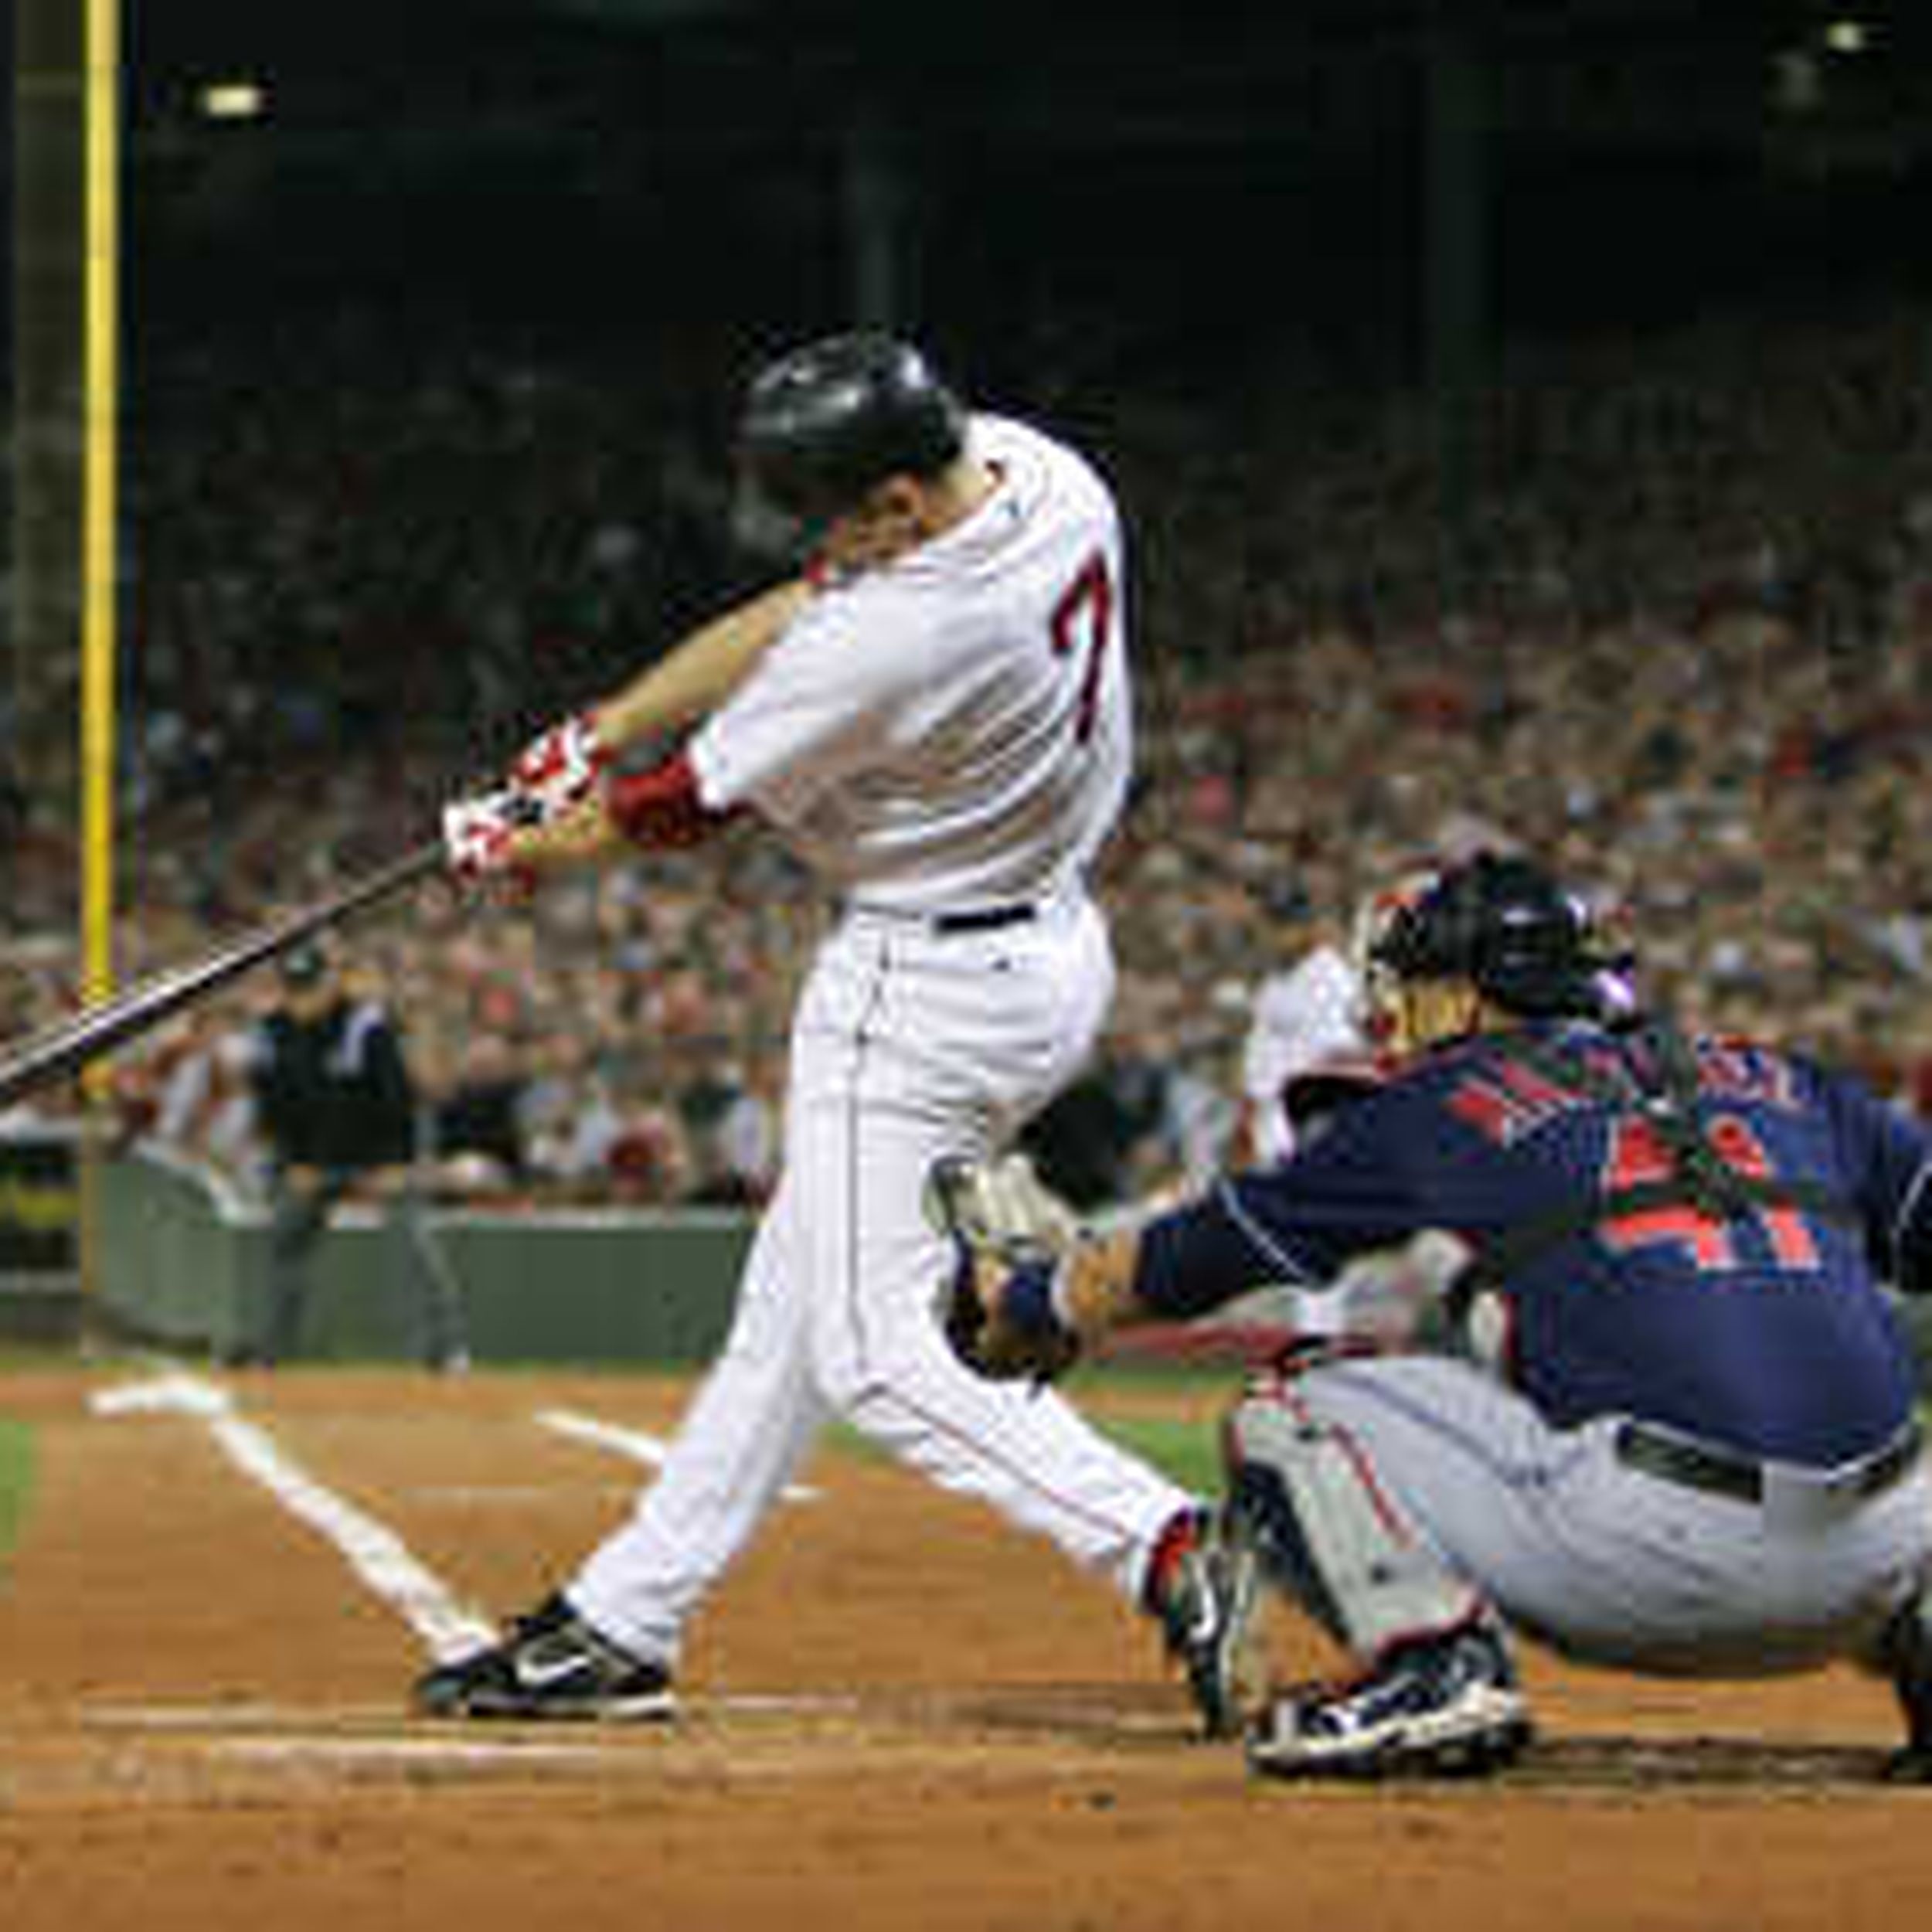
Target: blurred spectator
<point x="732" y="1131"/>
<point x="1092" y="1144"/>
<point x="1692" y="606"/>
<point x="479" y="1124"/>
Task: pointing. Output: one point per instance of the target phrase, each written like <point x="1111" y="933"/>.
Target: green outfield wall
<point x="184" y="1263"/>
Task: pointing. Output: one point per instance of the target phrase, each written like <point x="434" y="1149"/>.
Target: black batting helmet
<point x="1505" y="925"/>
<point x="824" y="425"/>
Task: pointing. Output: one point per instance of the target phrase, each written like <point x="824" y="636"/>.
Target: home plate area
<point x="894" y="1711"/>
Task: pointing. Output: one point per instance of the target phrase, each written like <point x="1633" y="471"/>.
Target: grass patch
<point x="16" y="1479"/>
<point x="1184" y="1445"/>
<point x="27" y="1357"/>
<point x="1188" y="1453"/>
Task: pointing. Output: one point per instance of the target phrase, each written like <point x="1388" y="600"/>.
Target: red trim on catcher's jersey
<point x="661" y="807"/>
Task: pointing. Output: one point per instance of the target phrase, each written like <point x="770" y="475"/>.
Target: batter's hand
<point x="505" y="837"/>
<point x="561" y="767"/>
<point x="575" y="832"/>
<point x="480" y="834"/>
<point x="1010" y="1234"/>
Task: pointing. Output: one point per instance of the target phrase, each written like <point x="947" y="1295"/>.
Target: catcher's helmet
<point x="824" y="424"/>
<point x="1505" y="925"/>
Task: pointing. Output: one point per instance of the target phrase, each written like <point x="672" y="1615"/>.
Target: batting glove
<point x="480" y="834"/>
<point x="558" y="770"/>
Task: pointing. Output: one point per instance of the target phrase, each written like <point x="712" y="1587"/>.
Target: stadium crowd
<point x="1681" y="638"/>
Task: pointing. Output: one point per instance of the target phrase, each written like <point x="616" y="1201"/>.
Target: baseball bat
<point x="68" y="1045"/>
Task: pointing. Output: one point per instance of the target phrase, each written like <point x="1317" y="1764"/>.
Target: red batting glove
<point x="560" y="769"/>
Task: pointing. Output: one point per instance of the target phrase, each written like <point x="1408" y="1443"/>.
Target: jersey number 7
<point x="1083" y="621"/>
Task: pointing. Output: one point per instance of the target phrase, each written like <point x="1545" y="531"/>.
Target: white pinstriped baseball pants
<point x="908" y="1044"/>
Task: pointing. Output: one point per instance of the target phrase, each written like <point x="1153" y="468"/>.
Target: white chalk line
<point x="411" y="1750"/>
<point x="634" y="1444"/>
<point x="373" y="1550"/>
<point x="378" y="1723"/>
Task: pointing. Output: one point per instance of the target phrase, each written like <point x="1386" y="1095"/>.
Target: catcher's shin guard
<point x="1308" y="1501"/>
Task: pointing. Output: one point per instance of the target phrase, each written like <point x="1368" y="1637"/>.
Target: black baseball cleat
<point x="550" y="1664"/>
<point x="1443" y="1706"/>
<point x="1905" y="1653"/>
<point x="1202" y="1589"/>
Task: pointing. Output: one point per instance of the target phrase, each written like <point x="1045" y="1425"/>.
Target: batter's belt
<point x="966" y="919"/>
<point x="1722" y="1472"/>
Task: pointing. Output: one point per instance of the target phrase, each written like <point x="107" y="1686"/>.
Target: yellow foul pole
<point x="99" y="512"/>
<point x="100" y="509"/>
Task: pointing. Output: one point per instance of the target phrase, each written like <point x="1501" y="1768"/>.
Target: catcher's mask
<point x="1502" y="924"/>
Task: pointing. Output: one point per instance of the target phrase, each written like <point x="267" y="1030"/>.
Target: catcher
<point x="1679" y="1436"/>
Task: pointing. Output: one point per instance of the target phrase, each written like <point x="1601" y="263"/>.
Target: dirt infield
<point x="899" y="1715"/>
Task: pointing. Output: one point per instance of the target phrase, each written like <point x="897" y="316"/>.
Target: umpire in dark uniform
<point x="337" y="1109"/>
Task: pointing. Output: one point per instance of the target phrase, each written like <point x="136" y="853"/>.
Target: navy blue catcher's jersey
<point x="1768" y="1329"/>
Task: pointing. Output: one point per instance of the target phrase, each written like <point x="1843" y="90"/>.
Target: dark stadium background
<point x="1219" y="167"/>
<point x="1213" y="241"/>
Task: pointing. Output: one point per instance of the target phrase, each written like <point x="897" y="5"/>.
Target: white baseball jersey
<point x="954" y="730"/>
<point x="947" y="734"/>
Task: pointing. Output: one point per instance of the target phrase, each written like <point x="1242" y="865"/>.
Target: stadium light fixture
<point x="233" y="100"/>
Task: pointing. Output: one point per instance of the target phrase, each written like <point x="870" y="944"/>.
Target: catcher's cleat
<point x="1442" y="1706"/>
<point x="551" y="1664"/>
<point x="1906" y="1656"/>
<point x="1202" y="1589"/>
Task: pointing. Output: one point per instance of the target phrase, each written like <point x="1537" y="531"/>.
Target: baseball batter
<point x="937" y="717"/>
<point x="1687" y="1441"/>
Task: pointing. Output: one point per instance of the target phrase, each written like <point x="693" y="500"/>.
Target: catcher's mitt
<point x="1009" y="1231"/>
